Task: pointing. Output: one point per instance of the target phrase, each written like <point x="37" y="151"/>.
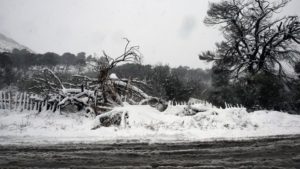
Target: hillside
<point x="7" y="44"/>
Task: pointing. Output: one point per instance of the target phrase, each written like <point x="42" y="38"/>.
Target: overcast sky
<point x="167" y="31"/>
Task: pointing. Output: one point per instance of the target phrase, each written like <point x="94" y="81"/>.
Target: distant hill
<point x="8" y="44"/>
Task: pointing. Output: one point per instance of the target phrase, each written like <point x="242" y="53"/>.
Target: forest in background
<point x="175" y="84"/>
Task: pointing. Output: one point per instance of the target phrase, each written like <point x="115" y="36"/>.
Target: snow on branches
<point x="254" y="39"/>
<point x="99" y="94"/>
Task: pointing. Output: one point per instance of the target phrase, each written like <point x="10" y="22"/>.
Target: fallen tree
<point x="96" y="95"/>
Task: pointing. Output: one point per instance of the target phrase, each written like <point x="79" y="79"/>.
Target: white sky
<point x="168" y="31"/>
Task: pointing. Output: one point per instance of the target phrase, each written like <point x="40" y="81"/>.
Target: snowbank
<point x="146" y="124"/>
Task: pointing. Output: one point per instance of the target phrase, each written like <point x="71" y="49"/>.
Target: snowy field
<point x="145" y="124"/>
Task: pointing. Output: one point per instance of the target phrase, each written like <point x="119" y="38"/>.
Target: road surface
<point x="275" y="152"/>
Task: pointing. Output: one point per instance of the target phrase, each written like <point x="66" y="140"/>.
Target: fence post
<point x="15" y="101"/>
<point x="3" y="100"/>
<point x="32" y="105"/>
<point x="29" y="102"/>
<point x="46" y="105"/>
<point x="9" y="100"/>
<point x="40" y="106"/>
<point x="37" y="105"/>
<point x="58" y="102"/>
<point x="20" y="101"/>
<point x="25" y="101"/>
<point x="1" y="107"/>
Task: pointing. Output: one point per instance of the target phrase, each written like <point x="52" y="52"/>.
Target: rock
<point x="157" y="103"/>
<point x="112" y="118"/>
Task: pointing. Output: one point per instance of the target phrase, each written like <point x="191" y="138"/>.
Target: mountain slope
<point x="8" y="44"/>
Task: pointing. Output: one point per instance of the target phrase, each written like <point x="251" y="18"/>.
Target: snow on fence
<point x="190" y="102"/>
<point x="24" y="101"/>
<point x="193" y="102"/>
<point x="31" y="102"/>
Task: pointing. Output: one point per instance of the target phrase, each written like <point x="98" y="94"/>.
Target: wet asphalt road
<point x="275" y="152"/>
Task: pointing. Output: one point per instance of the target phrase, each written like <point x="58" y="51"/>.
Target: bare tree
<point x="255" y="40"/>
<point x="106" y="63"/>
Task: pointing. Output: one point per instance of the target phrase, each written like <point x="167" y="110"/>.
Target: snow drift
<point x="143" y="123"/>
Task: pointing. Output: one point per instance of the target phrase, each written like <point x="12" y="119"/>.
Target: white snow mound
<point x="145" y="123"/>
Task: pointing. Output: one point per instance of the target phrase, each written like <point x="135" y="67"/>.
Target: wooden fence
<point x="24" y="101"/>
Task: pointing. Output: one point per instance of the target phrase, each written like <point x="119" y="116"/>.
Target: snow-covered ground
<point x="145" y="124"/>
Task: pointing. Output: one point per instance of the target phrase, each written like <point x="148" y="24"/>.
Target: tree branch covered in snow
<point x="100" y="93"/>
<point x="254" y="40"/>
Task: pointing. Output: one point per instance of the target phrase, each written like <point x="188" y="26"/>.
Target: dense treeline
<point x="22" y="59"/>
<point x="177" y="84"/>
<point x="14" y="66"/>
